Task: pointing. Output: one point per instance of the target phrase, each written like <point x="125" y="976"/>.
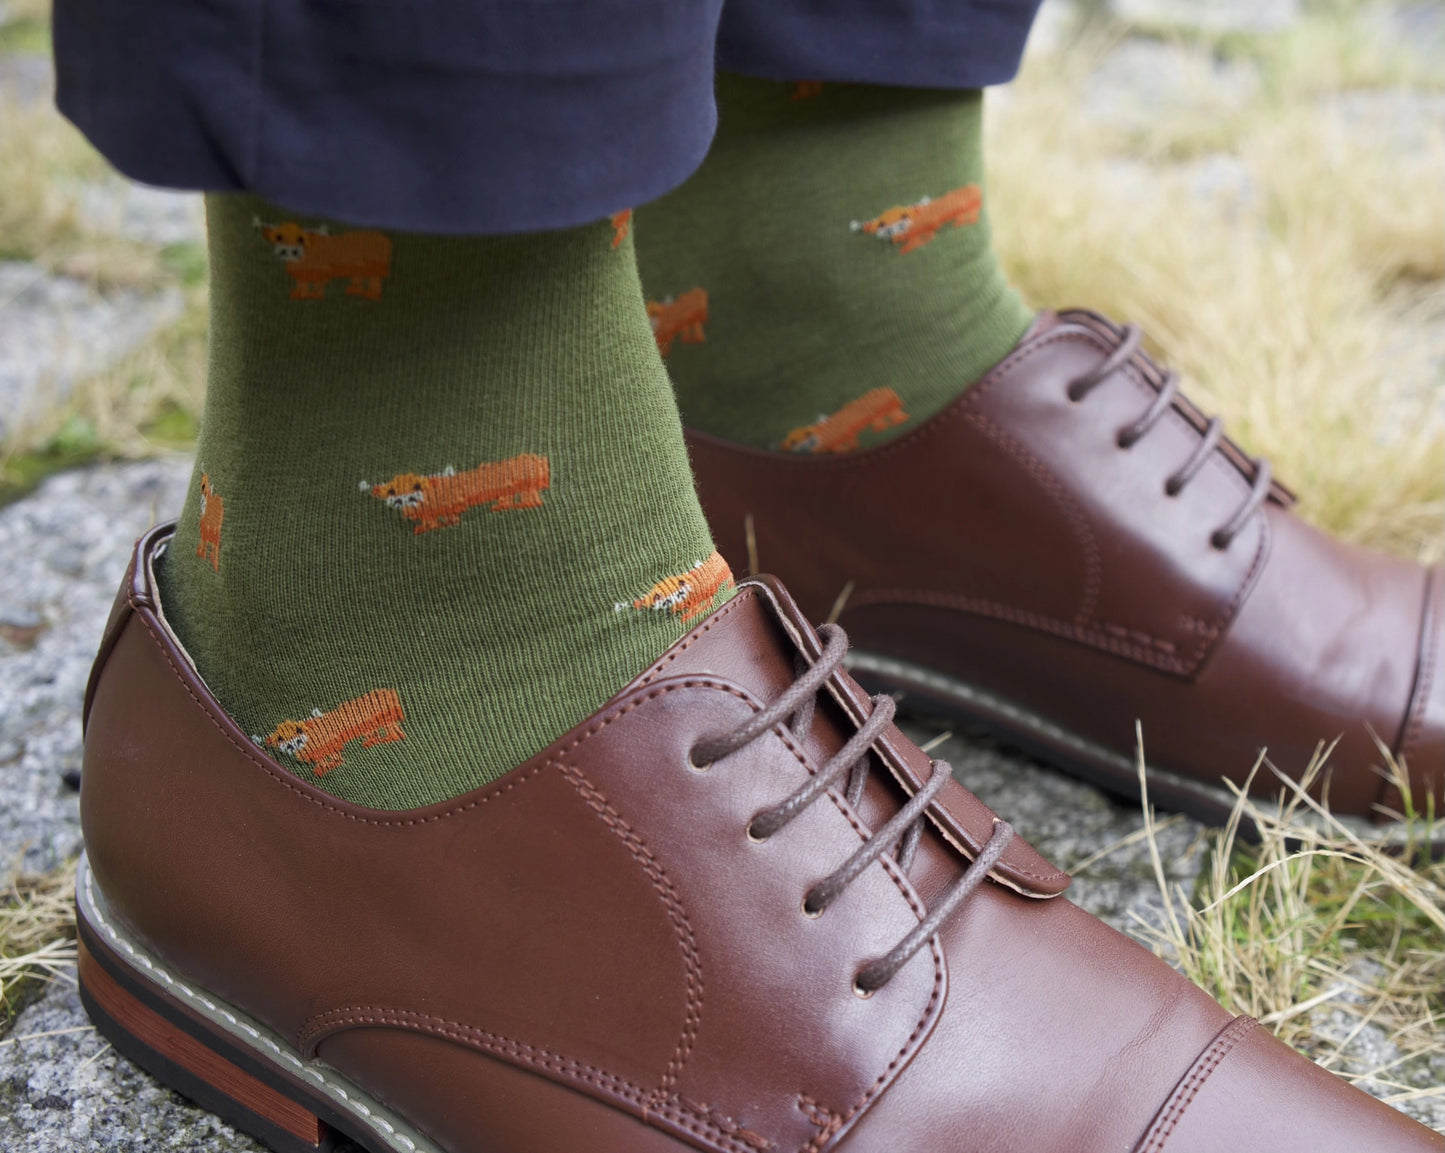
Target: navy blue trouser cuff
<point x="474" y="116"/>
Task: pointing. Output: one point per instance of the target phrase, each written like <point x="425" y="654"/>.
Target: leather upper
<point x="591" y="952"/>
<point x="1011" y="542"/>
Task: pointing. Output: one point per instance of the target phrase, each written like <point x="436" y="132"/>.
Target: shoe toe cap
<point x="1248" y="1091"/>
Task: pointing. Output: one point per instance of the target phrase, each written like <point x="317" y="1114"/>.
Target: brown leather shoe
<point x="1072" y="546"/>
<point x="736" y="911"/>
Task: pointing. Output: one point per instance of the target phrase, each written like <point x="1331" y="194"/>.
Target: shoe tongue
<point x="753" y="641"/>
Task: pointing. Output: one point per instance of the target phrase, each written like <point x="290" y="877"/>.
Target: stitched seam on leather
<point x="193" y="998"/>
<point x="716" y="618"/>
<point x="1185" y="1092"/>
<point x="824" y="1118"/>
<point x="889" y="866"/>
<point x="815" y="1145"/>
<point x="1093" y="637"/>
<point x="533" y="1056"/>
<point x="1425" y="678"/>
<point x="962" y="410"/>
<point x="281" y="777"/>
<point x="1073" y="513"/>
<point x="1261" y="554"/>
<point x="677" y="914"/>
<point x="919" y="910"/>
<point x="899" y="879"/>
<point x="724" y="1122"/>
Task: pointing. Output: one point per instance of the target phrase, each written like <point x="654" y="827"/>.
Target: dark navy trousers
<point x="475" y="116"/>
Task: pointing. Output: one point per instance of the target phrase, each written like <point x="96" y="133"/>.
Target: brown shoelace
<point x="901" y="833"/>
<point x="1213" y="433"/>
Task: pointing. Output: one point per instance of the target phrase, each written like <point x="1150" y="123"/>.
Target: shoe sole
<point x="213" y="1054"/>
<point x="924" y="691"/>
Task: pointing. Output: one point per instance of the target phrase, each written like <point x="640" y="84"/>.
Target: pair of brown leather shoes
<point x="737" y="910"/>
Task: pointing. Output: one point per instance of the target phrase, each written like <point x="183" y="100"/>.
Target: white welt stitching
<point x="181" y="989"/>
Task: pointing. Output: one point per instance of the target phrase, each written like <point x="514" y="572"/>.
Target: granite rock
<point x="1208" y="16"/>
<point x="62" y="551"/>
<point x="55" y="330"/>
<point x="70" y="1090"/>
<point x="1142" y="79"/>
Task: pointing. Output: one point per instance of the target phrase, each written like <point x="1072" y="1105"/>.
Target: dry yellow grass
<point x="50" y="183"/>
<point x="1297" y="305"/>
<point x="37" y="11"/>
<point x="1316" y="919"/>
<point x="147" y="403"/>
<point x="37" y="934"/>
<point x="45" y="166"/>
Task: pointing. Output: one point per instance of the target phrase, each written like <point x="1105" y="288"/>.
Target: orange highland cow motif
<point x="683" y="317"/>
<point x="688" y="594"/>
<point x="439" y="499"/>
<point x="914" y="225"/>
<point x="319" y="740"/>
<point x="213" y="511"/>
<point x="315" y="258"/>
<point x="877" y="409"/>
<point x="621" y="226"/>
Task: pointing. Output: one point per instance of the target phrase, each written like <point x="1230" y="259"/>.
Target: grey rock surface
<point x="1400" y="121"/>
<point x="62" y="552"/>
<point x="158" y="216"/>
<point x="55" y="330"/>
<point x="1421" y="25"/>
<point x="26" y="79"/>
<point x="1209" y="15"/>
<point x="1368" y="1049"/>
<point x="71" y="1091"/>
<point x="1142" y="78"/>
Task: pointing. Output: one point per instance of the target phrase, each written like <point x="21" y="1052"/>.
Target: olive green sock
<point x="442" y="509"/>
<point x="828" y="272"/>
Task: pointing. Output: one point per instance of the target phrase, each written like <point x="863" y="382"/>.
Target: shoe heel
<point x="157" y="1033"/>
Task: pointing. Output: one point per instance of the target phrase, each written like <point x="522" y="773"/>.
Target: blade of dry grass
<point x="37" y="936"/>
<point x="45" y="170"/>
<point x="1315" y="918"/>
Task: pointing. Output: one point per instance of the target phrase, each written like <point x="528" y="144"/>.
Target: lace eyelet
<point x="1220" y="540"/>
<point x="812" y="914"/>
<point x="1074" y="393"/>
<point x="1126" y="439"/>
<point x="753" y="837"/>
<point x="1172" y="487"/>
<point x="692" y="762"/>
<point x="861" y="993"/>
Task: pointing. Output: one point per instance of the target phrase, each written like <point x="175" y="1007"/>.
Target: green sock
<point x="802" y="291"/>
<point x="442" y="508"/>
